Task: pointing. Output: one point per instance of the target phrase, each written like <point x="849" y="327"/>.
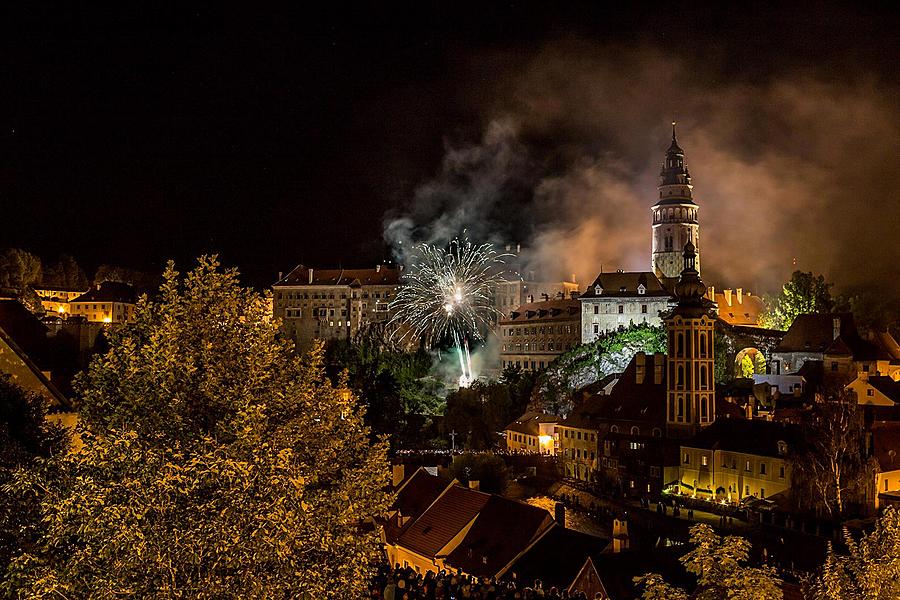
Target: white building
<point x="617" y="300"/>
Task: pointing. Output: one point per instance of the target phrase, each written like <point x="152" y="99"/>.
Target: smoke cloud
<point x="795" y="170"/>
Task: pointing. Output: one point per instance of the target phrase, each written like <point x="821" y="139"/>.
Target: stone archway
<point x="732" y="339"/>
<point x="749" y="362"/>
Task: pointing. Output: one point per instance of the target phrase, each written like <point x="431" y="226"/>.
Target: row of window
<point x="524" y="364"/>
<point x="577" y="435"/>
<point x="326" y="296"/>
<point x="748" y="464"/>
<point x="535" y="330"/>
<point x="620" y="309"/>
<point x="535" y="347"/>
<point x="578" y="453"/>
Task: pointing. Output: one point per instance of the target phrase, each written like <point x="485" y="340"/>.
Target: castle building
<point x="621" y="299"/>
<point x="333" y="304"/>
<point x="535" y="333"/>
<point x="674" y="216"/>
<point x="690" y="393"/>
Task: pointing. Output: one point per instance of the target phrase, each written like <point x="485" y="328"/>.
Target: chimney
<point x="397" y="473"/>
<point x="530" y="298"/>
<point x="378" y="268"/>
<point x="640" y="360"/>
<point x="711" y="293"/>
<point x="280" y="275"/>
<point x="727" y="293"/>
<point x="310" y="275"/>
<point x="740" y="295"/>
<point x="836" y="325"/>
<point x="474" y="484"/>
<point x="559" y="514"/>
<point x="573" y="278"/>
<point x="659" y="359"/>
<point x="863" y="375"/>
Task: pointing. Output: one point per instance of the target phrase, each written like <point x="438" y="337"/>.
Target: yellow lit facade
<point x="56" y="300"/>
<point x="533" y="432"/>
<point x="730" y="476"/>
<point x="578" y="452"/>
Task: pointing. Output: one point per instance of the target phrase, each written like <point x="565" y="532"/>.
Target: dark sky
<point x="130" y="136"/>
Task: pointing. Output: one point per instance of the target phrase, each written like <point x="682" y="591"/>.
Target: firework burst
<point x="446" y="293"/>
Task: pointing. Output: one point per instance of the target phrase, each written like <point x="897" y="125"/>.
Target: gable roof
<point x="628" y="400"/>
<point x="747" y="436"/>
<point x="502" y="530"/>
<point x="529" y="423"/>
<point x="557" y="556"/>
<point x="109" y="291"/>
<point x="886" y="386"/>
<point x="617" y="570"/>
<point x="622" y="284"/>
<point x="413" y="498"/>
<point x="815" y="332"/>
<point x="302" y="276"/>
<point x="446" y="518"/>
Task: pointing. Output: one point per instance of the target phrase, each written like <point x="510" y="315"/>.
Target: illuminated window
<point x="703" y="460"/>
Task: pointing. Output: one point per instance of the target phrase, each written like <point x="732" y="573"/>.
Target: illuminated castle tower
<point x="690" y="389"/>
<point x="674" y="215"/>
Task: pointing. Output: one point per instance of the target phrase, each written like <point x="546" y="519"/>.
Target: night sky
<point x="131" y="136"/>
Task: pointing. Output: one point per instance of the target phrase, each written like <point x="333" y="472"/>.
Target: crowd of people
<point x="405" y="584"/>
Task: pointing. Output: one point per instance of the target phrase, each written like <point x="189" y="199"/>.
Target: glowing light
<point x="447" y="294"/>
<point x="107" y="319"/>
<point x="545" y="440"/>
<point x="60" y="309"/>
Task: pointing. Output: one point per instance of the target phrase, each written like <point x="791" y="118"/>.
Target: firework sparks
<point x="447" y="294"/>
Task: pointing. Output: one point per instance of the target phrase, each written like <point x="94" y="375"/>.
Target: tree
<point x="488" y="470"/>
<point x="869" y="570"/>
<point x="26" y="436"/>
<point x="65" y="272"/>
<point x="747" y="367"/>
<point x="20" y="271"/>
<point x="216" y="463"/>
<point x="589" y="363"/>
<point x="804" y="293"/>
<point x="832" y="465"/>
<point x="719" y="563"/>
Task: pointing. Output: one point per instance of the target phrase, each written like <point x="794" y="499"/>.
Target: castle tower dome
<point x="674" y="215"/>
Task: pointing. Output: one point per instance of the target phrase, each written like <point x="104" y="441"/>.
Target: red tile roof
<point x="503" y="529"/>
<point x="443" y="521"/>
<point x="414" y="497"/>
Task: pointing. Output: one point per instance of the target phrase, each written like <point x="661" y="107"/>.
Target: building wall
<point x="729" y="471"/>
<point x="578" y="452"/>
<point x="535" y="344"/>
<point x="329" y="312"/>
<point x="103" y="312"/>
<point x="602" y="315"/>
<point x="545" y="442"/>
<point x="885" y="481"/>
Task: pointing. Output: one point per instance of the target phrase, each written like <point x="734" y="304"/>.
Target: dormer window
<point x="782" y="447"/>
<point x="598" y="290"/>
<point x="642" y="289"/>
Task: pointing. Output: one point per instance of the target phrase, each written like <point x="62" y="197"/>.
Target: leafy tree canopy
<point x="720" y="566"/>
<point x="216" y="463"/>
<point x="804" y="293"/>
<point x="869" y="570"/>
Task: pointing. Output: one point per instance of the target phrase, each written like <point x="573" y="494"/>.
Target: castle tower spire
<point x="674" y="215"/>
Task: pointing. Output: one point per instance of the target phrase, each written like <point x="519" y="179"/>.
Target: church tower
<point x="690" y="385"/>
<point x="674" y="216"/>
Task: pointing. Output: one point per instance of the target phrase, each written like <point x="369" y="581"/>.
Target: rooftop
<point x="529" y="423"/>
<point x="434" y="529"/>
<point x="109" y="291"/>
<point x="379" y="275"/>
<point x="621" y="284"/>
<point x="546" y="310"/>
<point x="757" y="437"/>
